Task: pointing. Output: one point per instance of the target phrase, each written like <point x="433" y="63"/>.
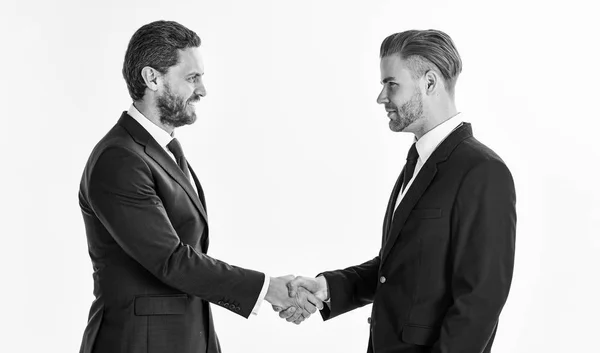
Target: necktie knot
<point x="175" y="147"/>
<point x="413" y="154"/>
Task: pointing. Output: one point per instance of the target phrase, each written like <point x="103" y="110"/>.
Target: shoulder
<point x="115" y="156"/>
<point x="476" y="152"/>
<point x="475" y="163"/>
<point x="473" y="154"/>
<point x="116" y="142"/>
<point x="482" y="166"/>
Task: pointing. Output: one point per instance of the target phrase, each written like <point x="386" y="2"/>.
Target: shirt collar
<point x="161" y="136"/>
<point x="429" y="142"/>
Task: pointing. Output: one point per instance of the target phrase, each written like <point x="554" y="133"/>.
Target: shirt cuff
<point x="262" y="295"/>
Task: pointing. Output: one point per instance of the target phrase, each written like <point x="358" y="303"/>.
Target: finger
<point x="314" y="300"/>
<point x="288" y="278"/>
<point x="297" y="322"/>
<point x="309" y="301"/>
<point x="287" y="313"/>
<point x="300" y="281"/>
<point x="292" y="287"/>
<point x="296" y="316"/>
<point x="305" y="303"/>
<point x="305" y="314"/>
<point x="307" y="306"/>
<point x="277" y="308"/>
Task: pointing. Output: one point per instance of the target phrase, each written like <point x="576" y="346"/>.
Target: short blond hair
<point x="425" y="50"/>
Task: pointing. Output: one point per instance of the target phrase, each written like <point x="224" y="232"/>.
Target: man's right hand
<point x="300" y="285"/>
<point x="298" y="306"/>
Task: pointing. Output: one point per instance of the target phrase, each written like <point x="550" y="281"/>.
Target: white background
<point x="295" y="156"/>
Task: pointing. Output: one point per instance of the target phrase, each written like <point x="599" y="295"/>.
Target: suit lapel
<point x="418" y="187"/>
<point x="413" y="194"/>
<point x="160" y="156"/>
<point x="198" y="186"/>
<point x="390" y="208"/>
<point x="204" y="239"/>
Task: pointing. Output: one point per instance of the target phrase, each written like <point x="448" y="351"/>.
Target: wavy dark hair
<point x="155" y="45"/>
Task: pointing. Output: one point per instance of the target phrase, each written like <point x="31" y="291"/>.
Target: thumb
<point x="292" y="288"/>
<point x="288" y="277"/>
<point x="301" y="282"/>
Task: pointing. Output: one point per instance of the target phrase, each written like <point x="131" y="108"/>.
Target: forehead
<point x="190" y="61"/>
<point x="394" y="66"/>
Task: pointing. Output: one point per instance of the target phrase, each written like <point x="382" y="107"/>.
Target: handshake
<point x="296" y="298"/>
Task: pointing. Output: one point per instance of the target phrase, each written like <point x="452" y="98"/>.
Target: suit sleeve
<point x="122" y="194"/>
<point x="482" y="255"/>
<point x="350" y="288"/>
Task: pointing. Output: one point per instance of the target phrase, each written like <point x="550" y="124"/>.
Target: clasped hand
<point x="296" y="298"/>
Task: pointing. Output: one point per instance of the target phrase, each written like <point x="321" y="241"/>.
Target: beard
<point x="408" y="113"/>
<point x="174" y="110"/>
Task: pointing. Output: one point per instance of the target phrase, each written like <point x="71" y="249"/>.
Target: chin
<point x="395" y="127"/>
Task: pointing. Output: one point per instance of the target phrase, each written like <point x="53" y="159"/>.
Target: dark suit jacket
<point x="147" y="235"/>
<point x="445" y="267"/>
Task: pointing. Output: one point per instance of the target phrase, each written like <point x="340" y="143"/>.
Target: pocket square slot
<point x="427" y="213"/>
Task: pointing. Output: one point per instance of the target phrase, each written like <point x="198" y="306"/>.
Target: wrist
<point x="323" y="287"/>
<point x="270" y="289"/>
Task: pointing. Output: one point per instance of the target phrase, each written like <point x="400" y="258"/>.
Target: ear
<point x="151" y="78"/>
<point x="433" y="82"/>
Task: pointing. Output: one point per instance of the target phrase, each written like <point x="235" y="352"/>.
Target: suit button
<point x="220" y="302"/>
<point x="382" y="279"/>
<point x="226" y="305"/>
<point x="369" y="320"/>
<point x="237" y="308"/>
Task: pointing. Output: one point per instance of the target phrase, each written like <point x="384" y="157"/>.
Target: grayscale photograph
<point x="300" y="176"/>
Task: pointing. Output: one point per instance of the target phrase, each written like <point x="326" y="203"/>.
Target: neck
<point x="435" y="116"/>
<point x="150" y="111"/>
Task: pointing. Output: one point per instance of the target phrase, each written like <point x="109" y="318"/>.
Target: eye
<point x="392" y="86"/>
<point x="193" y="79"/>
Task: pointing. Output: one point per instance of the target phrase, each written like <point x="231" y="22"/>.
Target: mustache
<point x="390" y="107"/>
<point x="193" y="99"/>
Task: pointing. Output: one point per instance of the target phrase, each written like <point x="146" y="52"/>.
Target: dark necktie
<point x="175" y="147"/>
<point x="411" y="163"/>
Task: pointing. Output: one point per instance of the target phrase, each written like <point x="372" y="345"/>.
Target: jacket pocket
<point x="160" y="305"/>
<point x="420" y="335"/>
<point x="426" y="213"/>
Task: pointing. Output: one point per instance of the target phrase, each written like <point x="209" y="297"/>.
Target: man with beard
<point x="445" y="267"/>
<point x="145" y="217"/>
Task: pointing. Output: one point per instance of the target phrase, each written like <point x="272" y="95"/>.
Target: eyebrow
<point x="195" y="74"/>
<point x="387" y="79"/>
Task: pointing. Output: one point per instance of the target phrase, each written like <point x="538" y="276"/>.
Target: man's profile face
<point x="181" y="89"/>
<point x="400" y="94"/>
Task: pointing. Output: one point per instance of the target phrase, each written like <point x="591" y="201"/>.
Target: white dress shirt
<point x="164" y="138"/>
<point x="427" y="144"/>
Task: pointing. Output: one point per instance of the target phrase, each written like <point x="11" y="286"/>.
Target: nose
<point x="382" y="97"/>
<point x="200" y="89"/>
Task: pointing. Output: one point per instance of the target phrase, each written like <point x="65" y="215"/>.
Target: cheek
<point x="399" y="98"/>
<point x="184" y="90"/>
<point x="396" y="98"/>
